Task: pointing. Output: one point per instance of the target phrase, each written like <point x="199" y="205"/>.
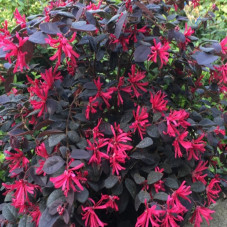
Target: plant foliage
<point x="107" y="117"/>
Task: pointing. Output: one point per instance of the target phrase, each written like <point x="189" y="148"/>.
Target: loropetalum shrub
<point x="116" y="116"/>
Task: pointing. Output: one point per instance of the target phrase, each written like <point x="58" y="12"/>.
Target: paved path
<point x="219" y="217"/>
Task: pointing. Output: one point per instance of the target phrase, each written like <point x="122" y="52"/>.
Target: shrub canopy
<point x="112" y="114"/>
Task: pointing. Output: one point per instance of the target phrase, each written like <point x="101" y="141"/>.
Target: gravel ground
<point x="219" y="217"/>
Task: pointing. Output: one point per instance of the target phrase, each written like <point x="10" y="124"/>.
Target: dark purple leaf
<point x="55" y="195"/>
<point x="170" y="35"/>
<point x="20" y="132"/>
<point x="213" y="141"/>
<point x="79" y="12"/>
<point x="65" y="14"/>
<point x="171" y="183"/>
<point x="82" y="144"/>
<point x="193" y="38"/>
<point x="83" y="26"/>
<point x="25" y="221"/>
<point x="119" y="24"/>
<point x="154" y="177"/>
<point x="90" y="86"/>
<point x="137" y="203"/>
<point x="196" y="116"/>
<point x="9" y="212"/>
<point x="82" y="196"/>
<point x="206" y="122"/>
<point x="16" y="131"/>
<point x="100" y="12"/>
<point x="47" y="220"/>
<point x="181" y="18"/>
<point x="75" y="163"/>
<point x="40" y="180"/>
<point x="183" y="171"/>
<point x="198" y="187"/>
<point x="128" y="115"/>
<point x="160" y="17"/>
<point x="80" y="117"/>
<point x="145" y="9"/>
<point x="53" y="207"/>
<point x="117" y="189"/>
<point x="146" y="142"/>
<point x="90" y="18"/>
<point x="171" y="17"/>
<point x="2" y="53"/>
<point x="179" y="37"/>
<point x="152" y="131"/>
<point x="131" y="187"/>
<point x="219" y="121"/>
<point x="206" y="49"/>
<point x="70" y="198"/>
<point x="53" y="164"/>
<point x="217" y="47"/>
<point x="66" y="217"/>
<point x="4" y="99"/>
<point x="141" y="53"/>
<point x="163" y="128"/>
<point x="110" y="181"/>
<point x="143" y="156"/>
<point x="156" y="116"/>
<point x="204" y="58"/>
<point x="50" y="28"/>
<point x="38" y="37"/>
<point x="55" y="139"/>
<point x="138" y="178"/>
<point x="16" y="172"/>
<point x="144" y="195"/>
<point x="60" y="223"/>
<point x="73" y="136"/>
<point x="161" y="196"/>
<point x="6" y="126"/>
<point x="225" y="117"/>
<point x="51" y="106"/>
<point x="80" y="154"/>
<point x="105" y="128"/>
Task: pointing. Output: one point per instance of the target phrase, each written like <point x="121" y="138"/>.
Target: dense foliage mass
<point x="113" y="114"/>
<point x="26" y="7"/>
